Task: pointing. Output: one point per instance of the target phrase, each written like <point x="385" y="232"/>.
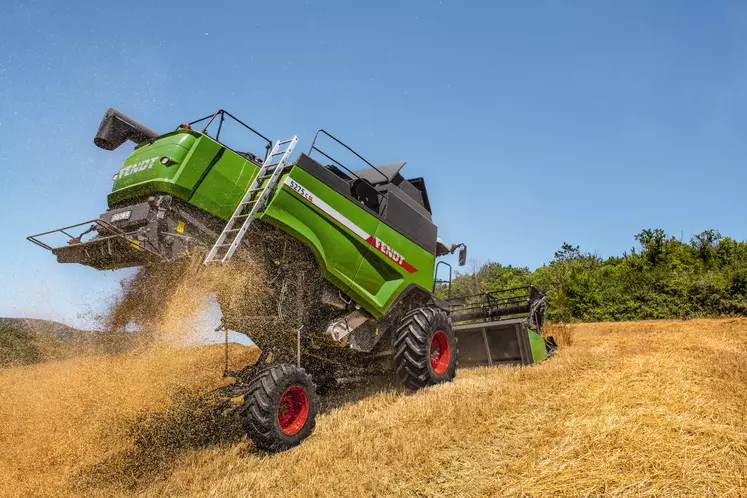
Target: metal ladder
<point x="253" y="201"/>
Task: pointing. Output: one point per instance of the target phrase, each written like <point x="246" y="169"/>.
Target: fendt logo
<point x="388" y="251"/>
<point x="135" y="168"/>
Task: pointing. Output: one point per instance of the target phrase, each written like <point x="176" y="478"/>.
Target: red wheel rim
<point x="293" y="410"/>
<point x="440" y="352"/>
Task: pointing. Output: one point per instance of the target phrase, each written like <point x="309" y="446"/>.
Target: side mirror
<point x="463" y="255"/>
<point x="462" y="252"/>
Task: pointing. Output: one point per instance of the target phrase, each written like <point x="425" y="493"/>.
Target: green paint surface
<point x="537" y="342"/>
<point x="214" y="178"/>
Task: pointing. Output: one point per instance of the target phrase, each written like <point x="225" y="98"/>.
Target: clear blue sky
<point x="534" y="123"/>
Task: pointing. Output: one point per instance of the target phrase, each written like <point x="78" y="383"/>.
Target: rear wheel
<point x="280" y="407"/>
<point x="425" y="348"/>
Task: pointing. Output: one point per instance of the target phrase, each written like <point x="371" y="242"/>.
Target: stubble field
<point x="625" y="409"/>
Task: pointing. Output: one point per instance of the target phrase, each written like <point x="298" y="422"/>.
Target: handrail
<point x="224" y="113"/>
<point x="436" y="281"/>
<point x="314" y="148"/>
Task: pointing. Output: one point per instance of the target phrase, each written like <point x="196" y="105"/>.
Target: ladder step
<point x="251" y="203"/>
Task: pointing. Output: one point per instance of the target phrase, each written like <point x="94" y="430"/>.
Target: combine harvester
<point x="352" y="256"/>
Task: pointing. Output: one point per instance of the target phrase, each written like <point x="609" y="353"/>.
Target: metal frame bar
<point x="522" y="336"/>
<point x="495" y="298"/>
<point x="106" y="224"/>
<point x="500" y="291"/>
<point x="496" y="305"/>
<point x="314" y="148"/>
<point x="436" y="281"/>
<point x="98" y="221"/>
<point x="487" y="347"/>
<point x="223" y="113"/>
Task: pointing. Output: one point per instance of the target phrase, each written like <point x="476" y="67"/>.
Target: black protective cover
<point x="395" y="207"/>
<point x="116" y="128"/>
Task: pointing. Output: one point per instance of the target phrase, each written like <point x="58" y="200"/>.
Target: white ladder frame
<point x="276" y="168"/>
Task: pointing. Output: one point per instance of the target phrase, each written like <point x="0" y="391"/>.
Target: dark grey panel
<point x="472" y="350"/>
<point x="502" y="341"/>
<point x="139" y="214"/>
<point x="325" y="175"/>
<point x="398" y="210"/>
<point x="400" y="194"/>
<point x="409" y="189"/>
<point x="419" y="184"/>
<point x="410" y="219"/>
<point x="389" y="171"/>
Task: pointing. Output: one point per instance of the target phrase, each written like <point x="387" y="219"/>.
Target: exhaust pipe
<point x="116" y="128"/>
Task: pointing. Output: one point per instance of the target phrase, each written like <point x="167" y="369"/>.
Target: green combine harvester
<point x="352" y="255"/>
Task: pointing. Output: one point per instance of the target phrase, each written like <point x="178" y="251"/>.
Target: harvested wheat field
<point x="626" y="409"/>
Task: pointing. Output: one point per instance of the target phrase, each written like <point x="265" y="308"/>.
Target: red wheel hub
<point x="440" y="352"/>
<point x="293" y="410"/>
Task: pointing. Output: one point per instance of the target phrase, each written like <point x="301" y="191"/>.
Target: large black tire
<point x="280" y="407"/>
<point x="425" y="348"/>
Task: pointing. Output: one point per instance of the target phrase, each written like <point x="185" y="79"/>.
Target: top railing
<point x="223" y="113"/>
<point x="315" y="148"/>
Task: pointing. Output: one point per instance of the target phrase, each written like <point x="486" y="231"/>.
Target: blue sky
<point x="534" y="123"/>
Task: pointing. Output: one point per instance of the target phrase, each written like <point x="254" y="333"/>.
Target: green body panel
<point x="213" y="178"/>
<point x="338" y="251"/>
<point x="381" y="279"/>
<point x="371" y="278"/>
<point x="223" y="188"/>
<point x="537" y="342"/>
<point x="142" y="173"/>
<point x="201" y="172"/>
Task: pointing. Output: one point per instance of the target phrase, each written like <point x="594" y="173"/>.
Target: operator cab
<point x="382" y="190"/>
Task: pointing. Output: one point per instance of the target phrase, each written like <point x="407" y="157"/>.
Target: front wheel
<point x="425" y="348"/>
<point x="280" y="407"/>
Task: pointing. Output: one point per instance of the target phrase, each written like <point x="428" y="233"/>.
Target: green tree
<point x="665" y="279"/>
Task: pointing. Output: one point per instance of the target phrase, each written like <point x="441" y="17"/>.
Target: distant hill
<point x="24" y="341"/>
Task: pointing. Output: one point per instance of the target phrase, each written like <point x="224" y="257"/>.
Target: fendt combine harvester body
<point x="367" y="233"/>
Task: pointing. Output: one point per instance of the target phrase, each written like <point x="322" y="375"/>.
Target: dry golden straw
<point x="628" y="409"/>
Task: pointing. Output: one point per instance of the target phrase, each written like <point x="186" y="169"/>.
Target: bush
<point x="662" y="278"/>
